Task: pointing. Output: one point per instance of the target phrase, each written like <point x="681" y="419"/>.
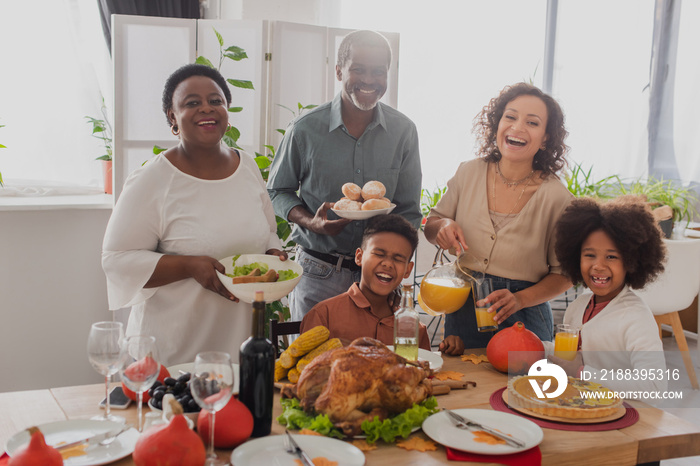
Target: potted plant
<point x="580" y="183"/>
<point x="428" y="200"/>
<point x="665" y="195"/>
<point x="102" y="130"/>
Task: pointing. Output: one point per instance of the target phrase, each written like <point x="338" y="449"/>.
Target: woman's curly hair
<point x="629" y="223"/>
<point x="549" y="160"/>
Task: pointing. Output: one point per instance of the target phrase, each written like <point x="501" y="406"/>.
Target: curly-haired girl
<point x="612" y="248"/>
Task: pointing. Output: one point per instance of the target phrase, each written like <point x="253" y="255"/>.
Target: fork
<point x="111" y="439"/>
<point x="292" y="447"/>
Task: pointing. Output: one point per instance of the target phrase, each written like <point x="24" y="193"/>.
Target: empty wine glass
<point x="140" y="367"/>
<point x="104" y="355"/>
<point x="212" y="387"/>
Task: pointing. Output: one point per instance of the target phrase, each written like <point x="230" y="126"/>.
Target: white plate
<point x="692" y="233"/>
<point x="439" y="428"/>
<point x="72" y="430"/>
<point x="270" y="450"/>
<point x="273" y="291"/>
<point x="362" y="214"/>
<point x="434" y="359"/>
<point x="189" y="366"/>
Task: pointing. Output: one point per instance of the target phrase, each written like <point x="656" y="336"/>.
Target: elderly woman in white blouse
<point x="177" y="214"/>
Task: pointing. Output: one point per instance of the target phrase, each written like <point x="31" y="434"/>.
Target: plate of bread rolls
<point x="248" y="273"/>
<point x="360" y="203"/>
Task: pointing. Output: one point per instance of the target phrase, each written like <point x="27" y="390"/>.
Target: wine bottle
<point x="257" y="369"/>
<point x="406" y="324"/>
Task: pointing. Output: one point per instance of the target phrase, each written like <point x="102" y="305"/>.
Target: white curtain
<point x="686" y="116"/>
<point x="601" y="77"/>
<point x="54" y="64"/>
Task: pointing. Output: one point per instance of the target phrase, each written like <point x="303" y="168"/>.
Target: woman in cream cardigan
<point x="502" y="207"/>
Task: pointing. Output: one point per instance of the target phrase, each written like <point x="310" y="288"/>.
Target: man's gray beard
<point x="363" y="107"/>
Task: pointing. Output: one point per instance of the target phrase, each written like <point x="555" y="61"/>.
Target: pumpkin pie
<point x="572" y="404"/>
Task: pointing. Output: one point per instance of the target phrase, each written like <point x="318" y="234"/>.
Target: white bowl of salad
<point x="288" y="275"/>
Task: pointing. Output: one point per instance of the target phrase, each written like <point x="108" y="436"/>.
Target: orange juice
<point x="425" y="306"/>
<point x="444" y="295"/>
<point x="484" y="320"/>
<point x="565" y="345"/>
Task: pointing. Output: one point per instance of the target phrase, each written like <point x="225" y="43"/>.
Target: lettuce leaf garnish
<point x="388" y="430"/>
<point x="239" y="270"/>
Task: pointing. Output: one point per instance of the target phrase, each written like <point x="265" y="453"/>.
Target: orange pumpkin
<point x="131" y="394"/>
<point x="36" y="452"/>
<point x="170" y="444"/>
<point x="233" y="425"/>
<point x="527" y="346"/>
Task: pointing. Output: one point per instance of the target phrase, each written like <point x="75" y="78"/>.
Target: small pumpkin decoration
<point x="234" y="424"/>
<point x="516" y="338"/>
<point x="36" y="452"/>
<point x="170" y="444"/>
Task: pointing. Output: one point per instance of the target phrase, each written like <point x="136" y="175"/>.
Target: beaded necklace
<point x="528" y="178"/>
<point x="511" y="183"/>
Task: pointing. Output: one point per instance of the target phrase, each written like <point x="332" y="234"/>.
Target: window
<point x="48" y="86"/>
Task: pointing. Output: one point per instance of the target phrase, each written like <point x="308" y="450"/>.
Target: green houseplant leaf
<point x="204" y="61"/>
<point x="240" y="83"/>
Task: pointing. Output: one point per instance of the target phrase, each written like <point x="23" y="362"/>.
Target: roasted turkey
<point x="360" y="381"/>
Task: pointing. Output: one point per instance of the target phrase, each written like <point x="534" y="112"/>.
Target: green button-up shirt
<point x="317" y="156"/>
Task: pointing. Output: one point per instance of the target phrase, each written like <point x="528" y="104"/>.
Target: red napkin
<point x="531" y="457"/>
<point x="4" y="459"/>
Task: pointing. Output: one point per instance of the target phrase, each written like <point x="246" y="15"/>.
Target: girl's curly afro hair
<point x="628" y="221"/>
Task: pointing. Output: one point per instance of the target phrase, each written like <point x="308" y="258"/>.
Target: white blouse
<point x="165" y="211"/>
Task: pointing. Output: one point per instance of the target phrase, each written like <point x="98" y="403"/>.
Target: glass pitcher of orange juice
<point x="446" y="287"/>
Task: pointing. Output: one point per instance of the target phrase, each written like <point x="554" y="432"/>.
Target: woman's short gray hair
<point x="362" y="38"/>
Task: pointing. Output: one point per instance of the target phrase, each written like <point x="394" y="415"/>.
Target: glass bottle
<point x="257" y="369"/>
<point x="406" y="324"/>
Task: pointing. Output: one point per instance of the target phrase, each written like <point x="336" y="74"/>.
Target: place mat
<point x="531" y="457"/>
<point x="631" y="417"/>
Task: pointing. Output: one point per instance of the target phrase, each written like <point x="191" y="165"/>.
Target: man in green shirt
<point x="354" y="138"/>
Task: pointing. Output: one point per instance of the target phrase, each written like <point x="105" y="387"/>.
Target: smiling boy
<point x="367" y="308"/>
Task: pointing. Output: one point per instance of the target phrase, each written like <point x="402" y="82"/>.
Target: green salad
<point x="239" y="270"/>
<point x="388" y="430"/>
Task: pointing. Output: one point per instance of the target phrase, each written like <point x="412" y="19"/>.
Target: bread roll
<point x="375" y="204"/>
<point x="352" y="191"/>
<point x="347" y="204"/>
<point x="373" y="190"/>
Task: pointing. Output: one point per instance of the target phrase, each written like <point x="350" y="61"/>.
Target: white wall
<point x="52" y="289"/>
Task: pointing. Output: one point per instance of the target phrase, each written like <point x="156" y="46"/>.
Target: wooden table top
<point x="657" y="435"/>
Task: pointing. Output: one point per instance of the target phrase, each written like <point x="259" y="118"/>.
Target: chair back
<point x="278" y="329"/>
<point x="679" y="284"/>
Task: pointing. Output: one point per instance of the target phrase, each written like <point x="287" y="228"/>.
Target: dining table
<point x="656" y="435"/>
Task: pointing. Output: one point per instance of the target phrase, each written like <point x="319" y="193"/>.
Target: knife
<point x="464" y="423"/>
<point x="299" y="452"/>
<point x="94" y="438"/>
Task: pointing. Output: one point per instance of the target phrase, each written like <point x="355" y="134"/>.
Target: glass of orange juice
<point x="566" y="342"/>
<point x="484" y="318"/>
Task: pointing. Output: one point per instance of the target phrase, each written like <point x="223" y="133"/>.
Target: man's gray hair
<point x="362" y="38"/>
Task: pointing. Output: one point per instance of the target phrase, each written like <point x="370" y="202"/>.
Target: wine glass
<point x="104" y="355"/>
<point x="140" y="367"/>
<point x="212" y="387"/>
